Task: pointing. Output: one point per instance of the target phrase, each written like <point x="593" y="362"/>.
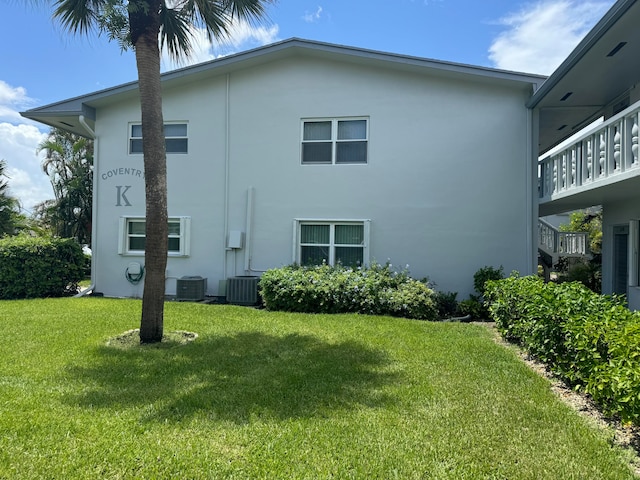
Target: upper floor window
<point x="175" y="137"/>
<point x="335" y="141"/>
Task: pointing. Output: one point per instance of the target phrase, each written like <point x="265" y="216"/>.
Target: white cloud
<point x="20" y="139"/>
<point x="11" y="100"/>
<point x="27" y="181"/>
<point x="539" y="37"/>
<point x="313" y="16"/>
<point x="242" y="36"/>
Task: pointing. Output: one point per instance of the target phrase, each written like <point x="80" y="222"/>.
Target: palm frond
<point x="212" y="16"/>
<point x="175" y="32"/>
<point x="248" y="10"/>
<point x="77" y="16"/>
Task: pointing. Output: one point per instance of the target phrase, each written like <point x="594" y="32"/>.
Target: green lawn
<point x="271" y="395"/>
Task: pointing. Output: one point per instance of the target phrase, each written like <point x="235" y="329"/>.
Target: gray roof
<point x="65" y="114"/>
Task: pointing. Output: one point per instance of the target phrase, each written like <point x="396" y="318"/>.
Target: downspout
<point x="94" y="224"/>
<point x="247" y="246"/>
<point x="227" y="151"/>
<point x="249" y="234"/>
<point x="532" y="186"/>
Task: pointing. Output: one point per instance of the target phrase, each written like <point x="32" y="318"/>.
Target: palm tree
<point x="146" y="25"/>
<point x="10" y="218"/>
<point x="69" y="165"/>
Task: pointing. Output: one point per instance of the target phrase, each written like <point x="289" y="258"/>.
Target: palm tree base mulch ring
<point x="131" y="339"/>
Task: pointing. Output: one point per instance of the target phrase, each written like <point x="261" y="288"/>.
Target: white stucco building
<point x="302" y="152"/>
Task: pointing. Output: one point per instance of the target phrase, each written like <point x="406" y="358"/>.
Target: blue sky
<point x="40" y="63"/>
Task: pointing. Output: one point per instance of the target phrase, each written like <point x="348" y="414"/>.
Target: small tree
<point x="69" y="165"/>
<point x="591" y="223"/>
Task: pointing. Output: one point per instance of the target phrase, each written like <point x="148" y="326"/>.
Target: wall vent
<point x="191" y="289"/>
<point x="242" y="290"/>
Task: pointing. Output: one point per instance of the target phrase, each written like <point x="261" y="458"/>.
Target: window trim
<point x="184" y="236"/>
<point x="297" y="233"/>
<point x="130" y="137"/>
<point x="334" y="139"/>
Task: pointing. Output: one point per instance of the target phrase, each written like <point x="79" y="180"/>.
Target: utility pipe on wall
<point x="227" y="150"/>
<point x="248" y="231"/>
<point x="94" y="205"/>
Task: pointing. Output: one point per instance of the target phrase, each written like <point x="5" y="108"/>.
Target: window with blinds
<point x="133" y="236"/>
<point x="332" y="243"/>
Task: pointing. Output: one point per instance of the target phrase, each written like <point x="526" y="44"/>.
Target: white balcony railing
<point x="608" y="150"/>
<point x="564" y="244"/>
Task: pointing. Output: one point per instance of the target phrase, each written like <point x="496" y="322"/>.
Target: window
<point x="337" y="242"/>
<point x="337" y="141"/>
<point x="133" y="236"/>
<point x="175" y="135"/>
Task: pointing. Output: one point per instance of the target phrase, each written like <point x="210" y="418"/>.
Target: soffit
<point x="593" y="76"/>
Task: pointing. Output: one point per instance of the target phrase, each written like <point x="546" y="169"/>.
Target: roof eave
<point x="292" y="45"/>
<point x="609" y="19"/>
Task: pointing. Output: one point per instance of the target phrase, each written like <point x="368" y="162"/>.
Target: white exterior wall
<point x="624" y="213"/>
<point x="446" y="186"/>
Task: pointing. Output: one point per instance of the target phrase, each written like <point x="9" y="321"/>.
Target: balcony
<point x="600" y="165"/>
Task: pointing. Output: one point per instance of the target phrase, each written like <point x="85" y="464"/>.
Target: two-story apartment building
<point x="308" y="152"/>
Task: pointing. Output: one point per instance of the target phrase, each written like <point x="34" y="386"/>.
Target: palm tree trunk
<point x="155" y="172"/>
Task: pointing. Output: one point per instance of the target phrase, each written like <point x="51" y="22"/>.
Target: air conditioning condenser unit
<point x="242" y="290"/>
<point x="191" y="289"/>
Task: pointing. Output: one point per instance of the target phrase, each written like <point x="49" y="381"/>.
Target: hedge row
<point x="39" y="267"/>
<point x="592" y="341"/>
<point x="376" y="290"/>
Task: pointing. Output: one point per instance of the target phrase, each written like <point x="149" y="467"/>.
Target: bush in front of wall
<point x="446" y="304"/>
<point x="474" y="306"/>
<point x="375" y="290"/>
<point x="39" y="267"/>
<point x="483" y="275"/>
<point x="592" y="341"/>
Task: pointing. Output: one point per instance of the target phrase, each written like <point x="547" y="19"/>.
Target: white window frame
<point x="297" y="246"/>
<point x="334" y="139"/>
<point x="184" y="236"/>
<point x="131" y="137"/>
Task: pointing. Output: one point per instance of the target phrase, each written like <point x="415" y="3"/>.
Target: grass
<point x="270" y="395"/>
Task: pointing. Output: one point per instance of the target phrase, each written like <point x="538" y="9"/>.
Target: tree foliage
<point x="11" y="220"/>
<point x="591" y="223"/>
<point x="69" y="165"/>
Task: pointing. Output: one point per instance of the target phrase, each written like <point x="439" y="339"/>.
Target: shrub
<point x="39" y="267"/>
<point x="592" y="341"/>
<point x="483" y="275"/>
<point x="377" y="290"/>
<point x="446" y="304"/>
<point x="474" y="305"/>
<point x="587" y="272"/>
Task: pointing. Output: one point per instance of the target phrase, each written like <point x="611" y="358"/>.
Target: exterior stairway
<point x="553" y="244"/>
